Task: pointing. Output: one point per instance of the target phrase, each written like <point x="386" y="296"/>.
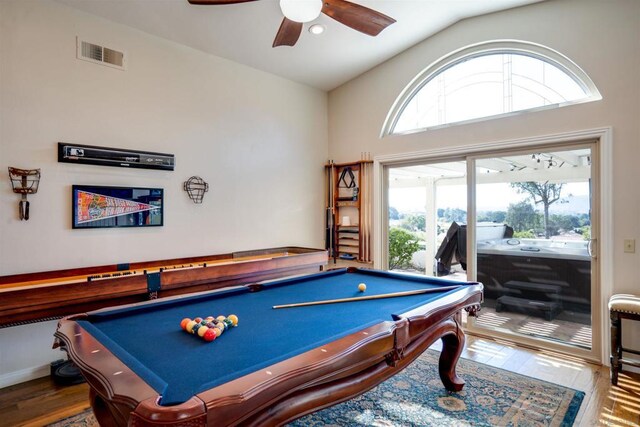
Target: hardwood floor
<point x="603" y="405"/>
<point x="39" y="402"/>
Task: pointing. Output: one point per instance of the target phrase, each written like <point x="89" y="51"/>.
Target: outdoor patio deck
<point x="567" y="327"/>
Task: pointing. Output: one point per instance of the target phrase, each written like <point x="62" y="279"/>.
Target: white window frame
<point x="517" y="47"/>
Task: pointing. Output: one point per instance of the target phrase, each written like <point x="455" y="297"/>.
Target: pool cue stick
<point x="368" y="297"/>
<point x="332" y="211"/>
<point x="362" y="212"/>
<point x="366" y="200"/>
<point x="328" y="213"/>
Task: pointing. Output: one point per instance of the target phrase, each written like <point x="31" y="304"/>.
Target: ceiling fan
<point x="297" y="12"/>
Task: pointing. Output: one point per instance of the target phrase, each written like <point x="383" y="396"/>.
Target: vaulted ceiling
<point x="244" y="32"/>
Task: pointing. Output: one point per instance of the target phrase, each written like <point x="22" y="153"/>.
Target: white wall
<point x="602" y="37"/>
<point x="260" y="141"/>
<point x="257" y="139"/>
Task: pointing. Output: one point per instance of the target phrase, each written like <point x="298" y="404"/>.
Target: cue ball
<point x="362" y="287"/>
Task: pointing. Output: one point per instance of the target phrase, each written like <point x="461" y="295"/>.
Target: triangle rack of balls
<point x="210" y="327"/>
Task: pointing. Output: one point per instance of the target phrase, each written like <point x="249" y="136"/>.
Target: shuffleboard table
<point x="277" y="364"/>
<point x="49" y="295"/>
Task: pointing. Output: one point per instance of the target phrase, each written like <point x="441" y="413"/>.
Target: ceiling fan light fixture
<point x="301" y="10"/>
<point x="317" y="29"/>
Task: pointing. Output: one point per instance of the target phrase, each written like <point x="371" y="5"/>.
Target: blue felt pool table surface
<point x="178" y="365"/>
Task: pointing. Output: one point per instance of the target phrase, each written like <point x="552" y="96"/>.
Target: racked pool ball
<point x="233" y="319"/>
<point x="210" y="335"/>
<point x="190" y="325"/>
<point x="202" y="330"/>
<point x="183" y="323"/>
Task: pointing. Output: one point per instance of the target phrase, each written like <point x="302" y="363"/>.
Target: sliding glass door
<point x="533" y="244"/>
<point x="520" y="222"/>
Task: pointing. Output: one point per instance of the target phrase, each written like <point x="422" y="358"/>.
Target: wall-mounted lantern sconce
<point x="24" y="181"/>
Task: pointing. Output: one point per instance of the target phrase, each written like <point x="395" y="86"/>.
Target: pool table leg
<point x="103" y="412"/>
<point x="452" y="346"/>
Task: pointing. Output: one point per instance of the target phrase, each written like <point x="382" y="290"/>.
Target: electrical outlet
<point x="630" y="246"/>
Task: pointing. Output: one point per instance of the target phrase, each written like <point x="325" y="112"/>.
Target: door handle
<point x="590" y="248"/>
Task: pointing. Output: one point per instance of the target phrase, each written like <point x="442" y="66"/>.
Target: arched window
<point x="489" y="80"/>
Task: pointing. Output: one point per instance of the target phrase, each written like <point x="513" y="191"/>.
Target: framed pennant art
<point x="107" y="207"/>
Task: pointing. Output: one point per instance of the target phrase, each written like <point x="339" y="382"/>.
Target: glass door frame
<point x="596" y="296"/>
<point x="602" y="214"/>
<point x="431" y="161"/>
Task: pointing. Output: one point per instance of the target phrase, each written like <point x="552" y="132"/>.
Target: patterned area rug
<point x="416" y="397"/>
<point x="83" y="419"/>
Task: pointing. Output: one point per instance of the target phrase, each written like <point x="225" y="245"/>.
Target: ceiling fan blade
<point x="288" y="34"/>
<point x="360" y="18"/>
<point x="215" y="2"/>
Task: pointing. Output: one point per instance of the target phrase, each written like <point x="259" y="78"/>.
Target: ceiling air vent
<point x="99" y="54"/>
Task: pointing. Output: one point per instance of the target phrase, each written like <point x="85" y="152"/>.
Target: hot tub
<point x="564" y="249"/>
<point x="513" y="267"/>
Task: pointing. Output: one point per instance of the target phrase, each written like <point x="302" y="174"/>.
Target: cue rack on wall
<point x="348" y="210"/>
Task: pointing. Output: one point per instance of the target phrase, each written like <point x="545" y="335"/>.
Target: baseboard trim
<point x="24" y="375"/>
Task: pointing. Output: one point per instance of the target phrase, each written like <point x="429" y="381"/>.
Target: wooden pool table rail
<point x="316" y="379"/>
<point x="53" y="294"/>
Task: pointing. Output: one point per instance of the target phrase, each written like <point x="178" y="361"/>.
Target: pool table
<point x="277" y="364"/>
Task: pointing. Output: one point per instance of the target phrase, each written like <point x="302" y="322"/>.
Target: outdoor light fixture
<point x="316" y="29"/>
<point x="301" y="10"/>
<point x="546" y="159"/>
